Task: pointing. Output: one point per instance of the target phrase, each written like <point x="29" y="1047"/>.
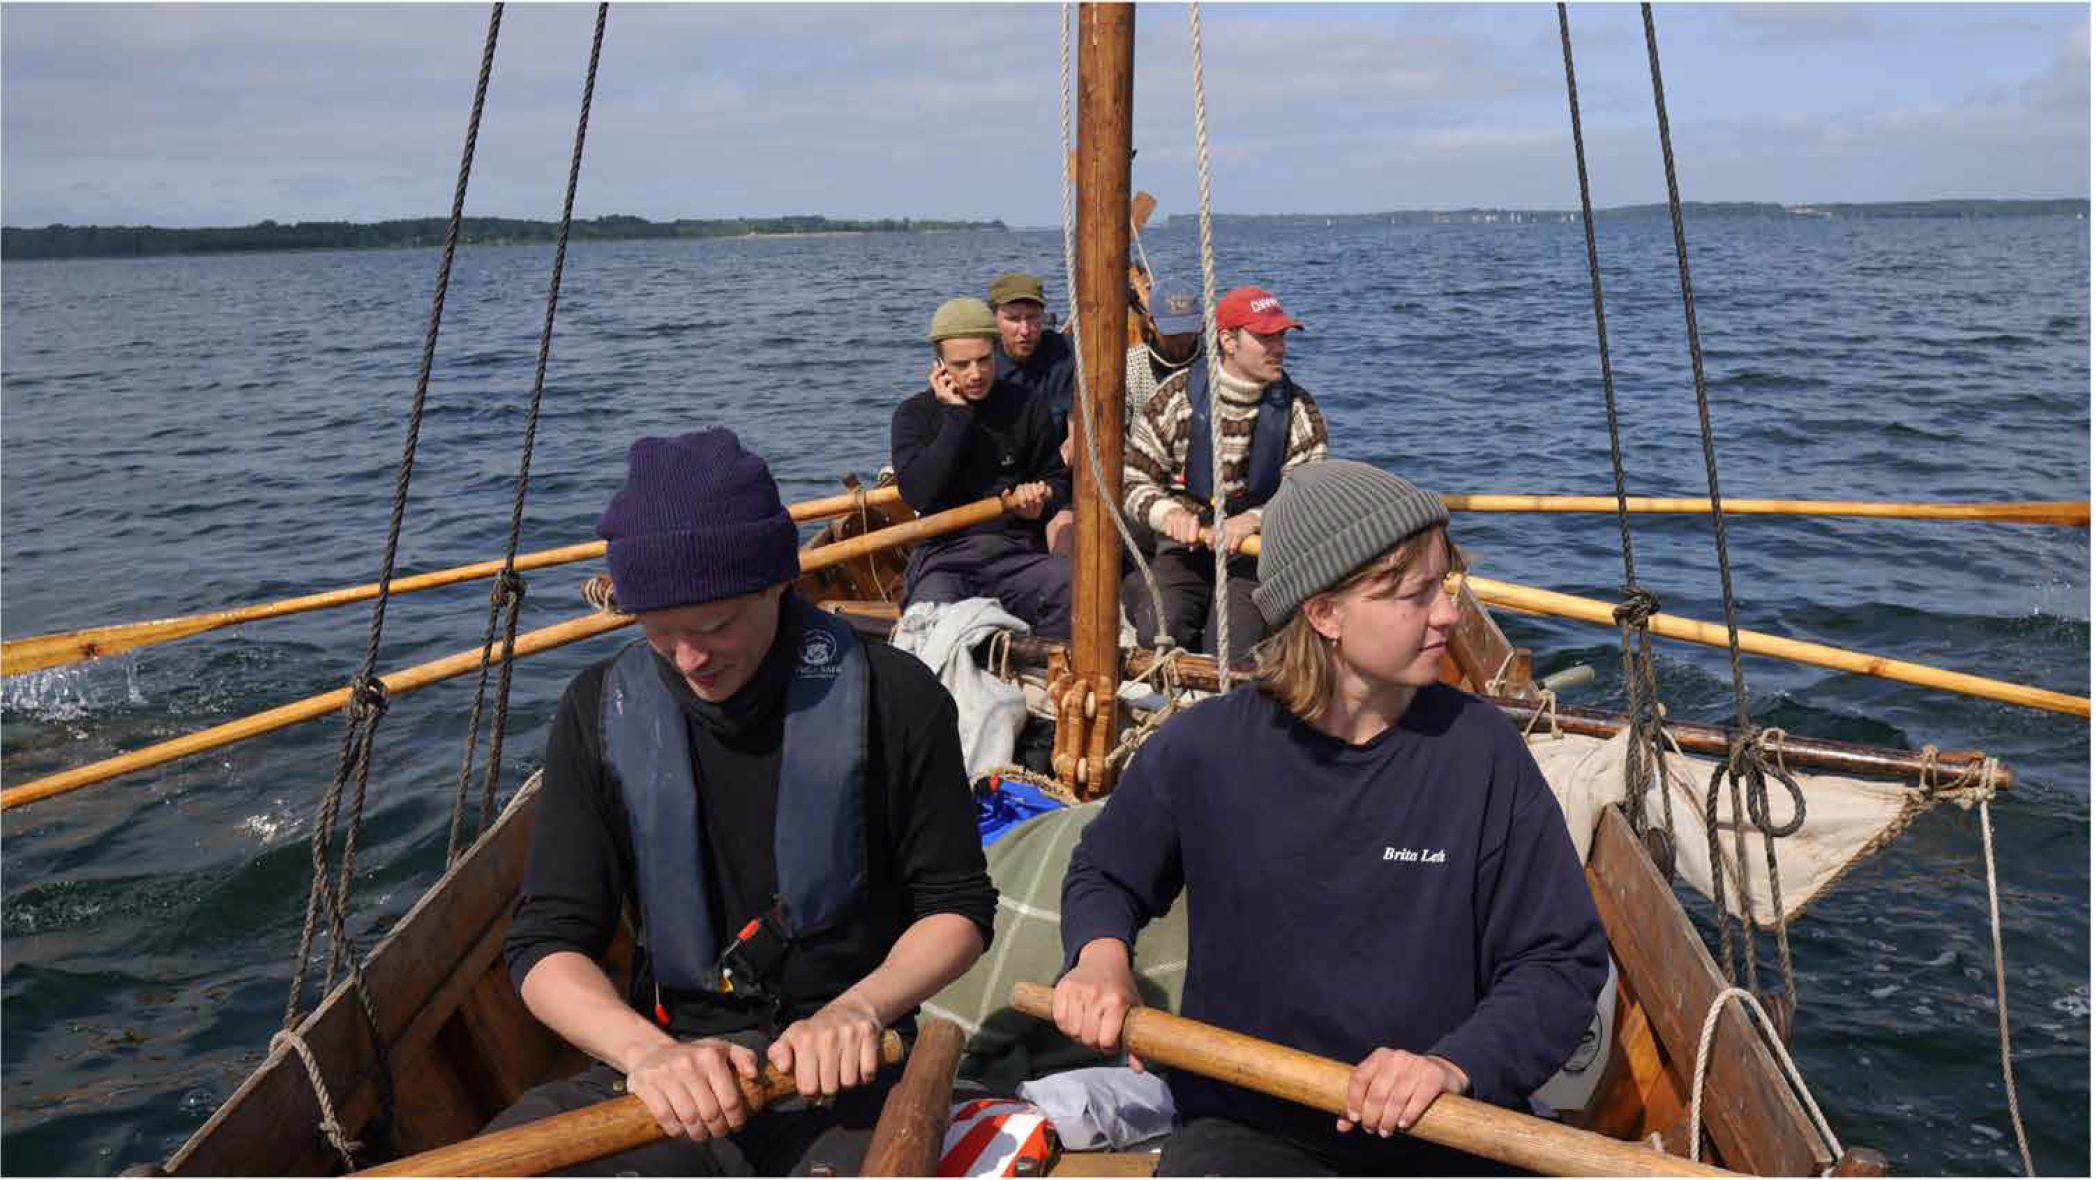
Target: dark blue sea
<point x="183" y="434"/>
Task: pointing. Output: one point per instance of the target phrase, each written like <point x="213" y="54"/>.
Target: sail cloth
<point x="943" y="635"/>
<point x="1846" y="819"/>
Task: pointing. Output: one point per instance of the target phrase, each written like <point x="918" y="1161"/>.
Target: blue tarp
<point x="1006" y="805"/>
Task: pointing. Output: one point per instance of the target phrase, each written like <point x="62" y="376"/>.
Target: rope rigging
<point x="368" y="696"/>
<point x="507" y="597"/>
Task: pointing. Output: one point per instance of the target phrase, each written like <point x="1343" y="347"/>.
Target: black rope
<point x="1645" y="755"/>
<point x="367" y="697"/>
<point x="1742" y="764"/>
<point x="509" y="588"/>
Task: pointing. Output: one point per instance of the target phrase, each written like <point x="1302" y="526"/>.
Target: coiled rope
<point x="1775" y="1044"/>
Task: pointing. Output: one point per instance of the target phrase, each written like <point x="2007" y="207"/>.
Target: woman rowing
<point x="1375" y="868"/>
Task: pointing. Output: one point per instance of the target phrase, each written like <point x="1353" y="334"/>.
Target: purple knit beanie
<point x="699" y="520"/>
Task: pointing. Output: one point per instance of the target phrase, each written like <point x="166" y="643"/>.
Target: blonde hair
<point x="1297" y="666"/>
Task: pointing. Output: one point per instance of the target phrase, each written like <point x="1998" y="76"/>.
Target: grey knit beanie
<point x="1328" y="520"/>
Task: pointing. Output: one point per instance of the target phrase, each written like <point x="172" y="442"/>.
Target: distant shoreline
<point x="141" y="241"/>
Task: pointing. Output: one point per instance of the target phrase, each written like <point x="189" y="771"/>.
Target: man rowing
<point x="1375" y="869"/>
<point x="780" y="806"/>
<point x="968" y="435"/>
<point x="1269" y="425"/>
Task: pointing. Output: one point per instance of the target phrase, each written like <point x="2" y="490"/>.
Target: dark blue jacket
<point x="1050" y="374"/>
<point x="1418" y="892"/>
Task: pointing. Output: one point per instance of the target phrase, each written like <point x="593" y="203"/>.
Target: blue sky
<point x="226" y="114"/>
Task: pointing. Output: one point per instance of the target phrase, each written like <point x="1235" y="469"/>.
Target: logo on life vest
<point x="818" y="650"/>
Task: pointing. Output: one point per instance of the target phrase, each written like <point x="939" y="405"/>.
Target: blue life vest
<point x="819" y="841"/>
<point x="1269" y="444"/>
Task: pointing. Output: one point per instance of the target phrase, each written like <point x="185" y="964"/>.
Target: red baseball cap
<point x="1254" y="308"/>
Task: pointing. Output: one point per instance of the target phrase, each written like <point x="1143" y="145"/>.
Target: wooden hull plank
<point x="1749" y="1111"/>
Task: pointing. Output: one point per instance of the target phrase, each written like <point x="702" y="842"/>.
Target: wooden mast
<point x="1085" y="710"/>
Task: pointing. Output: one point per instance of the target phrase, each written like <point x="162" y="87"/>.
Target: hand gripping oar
<point x="461" y="663"/>
<point x="564" y="1140"/>
<point x="1523" y="1141"/>
<point x="64" y="647"/>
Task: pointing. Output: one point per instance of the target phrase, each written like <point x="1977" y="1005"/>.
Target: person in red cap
<point x="1268" y="424"/>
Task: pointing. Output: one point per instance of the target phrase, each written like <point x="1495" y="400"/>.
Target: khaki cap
<point x="962" y="316"/>
<point x="1016" y="284"/>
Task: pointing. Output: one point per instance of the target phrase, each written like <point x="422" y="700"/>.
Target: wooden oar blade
<point x="70" y="647"/>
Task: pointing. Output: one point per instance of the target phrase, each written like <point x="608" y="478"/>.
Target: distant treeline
<point x="130" y="241"/>
<point x="1945" y="209"/>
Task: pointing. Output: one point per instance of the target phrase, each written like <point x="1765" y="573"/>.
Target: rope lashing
<point x="1546" y="701"/>
<point x="1775" y="1045"/>
<point x="330" y="1126"/>
<point x="1220" y="602"/>
<point x="1083" y="396"/>
<point x="596" y="590"/>
<point x="499" y="605"/>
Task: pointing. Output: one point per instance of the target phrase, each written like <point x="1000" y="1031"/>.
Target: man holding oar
<point x="1375" y="869"/>
<point x="971" y="435"/>
<point x="1268" y="423"/>
<point x="778" y="803"/>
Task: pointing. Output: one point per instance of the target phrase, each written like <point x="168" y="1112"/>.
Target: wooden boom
<point x="547" y="1145"/>
<point x="1524" y="1141"/>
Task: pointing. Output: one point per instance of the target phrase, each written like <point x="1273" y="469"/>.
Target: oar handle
<point x="593" y="1132"/>
<point x="1465" y="1124"/>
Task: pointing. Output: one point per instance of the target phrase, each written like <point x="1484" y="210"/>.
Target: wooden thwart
<point x="563" y="1140"/>
<point x="459" y="664"/>
<point x="1479" y="1128"/>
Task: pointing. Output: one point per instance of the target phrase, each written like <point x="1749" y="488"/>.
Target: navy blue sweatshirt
<point x="947" y="455"/>
<point x="1050" y="374"/>
<point x="1418" y="892"/>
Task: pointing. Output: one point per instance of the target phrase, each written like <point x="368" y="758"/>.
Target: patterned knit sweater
<point x="1153" y="478"/>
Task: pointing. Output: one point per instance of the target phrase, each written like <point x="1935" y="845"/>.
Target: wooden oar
<point x="65" y="647"/>
<point x="461" y="663"/>
<point x="1550" y="602"/>
<point x="1523" y="1141"/>
<point x="2055" y="512"/>
<point x="908" y="1136"/>
<point x="547" y="1145"/>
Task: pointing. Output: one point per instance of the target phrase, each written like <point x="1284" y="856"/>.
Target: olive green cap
<point x="964" y="315"/>
<point x="1016" y="284"/>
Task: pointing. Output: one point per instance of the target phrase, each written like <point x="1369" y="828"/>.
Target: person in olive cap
<point x="1029" y="353"/>
<point x="1376" y="868"/>
<point x="1269" y="425"/>
<point x="779" y="807"/>
<point x="970" y="435"/>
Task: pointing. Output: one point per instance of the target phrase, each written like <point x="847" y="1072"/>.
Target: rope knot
<point x="508" y="589"/>
<point x="1638" y="606"/>
<point x="367" y="698"/>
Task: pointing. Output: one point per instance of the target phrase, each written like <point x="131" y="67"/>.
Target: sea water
<point x="186" y="434"/>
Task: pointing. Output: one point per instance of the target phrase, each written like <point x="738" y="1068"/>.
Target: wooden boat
<point x="449" y="1043"/>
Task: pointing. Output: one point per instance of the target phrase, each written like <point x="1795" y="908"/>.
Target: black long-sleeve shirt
<point x="923" y="854"/>
<point x="947" y="455"/>
<point x="1418" y="891"/>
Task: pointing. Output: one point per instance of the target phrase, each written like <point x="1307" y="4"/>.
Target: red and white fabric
<point x="989" y="1136"/>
